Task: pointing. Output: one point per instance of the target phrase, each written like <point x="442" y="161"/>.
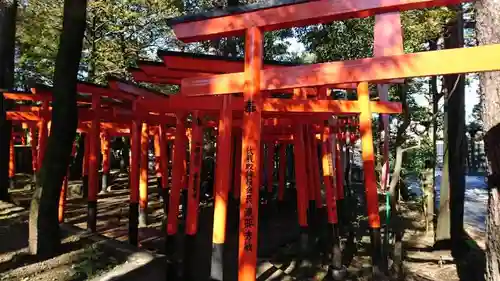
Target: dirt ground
<point x="83" y="257"/>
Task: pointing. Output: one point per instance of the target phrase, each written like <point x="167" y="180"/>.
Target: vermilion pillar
<point x="310" y="170"/>
<point x="180" y="146"/>
<point x="365" y="126"/>
<point x="222" y="182"/>
<point x="339" y="170"/>
<point x="262" y="178"/>
<point x="85" y="166"/>
<point x="316" y="174"/>
<point x="249" y="201"/>
<point x="143" y="179"/>
<point x="62" y="199"/>
<point x="337" y="269"/>
<point x="164" y="166"/>
<point x="34" y="156"/>
<point x="105" y="160"/>
<point x="282" y="171"/>
<point x="301" y="183"/>
<point x="311" y="184"/>
<point x="64" y="192"/>
<point x="193" y="200"/>
<point x="270" y="168"/>
<point x="12" y="162"/>
<point x="157" y="153"/>
<point x="327" y="163"/>
<point x="43" y="133"/>
<point x="135" y="151"/>
<point x="94" y="150"/>
<point x="237" y="166"/>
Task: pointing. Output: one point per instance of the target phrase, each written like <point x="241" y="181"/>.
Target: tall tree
<point x="8" y="10"/>
<point x="44" y="239"/>
<point x="488" y="32"/>
<point x="452" y="190"/>
<point x="455" y="107"/>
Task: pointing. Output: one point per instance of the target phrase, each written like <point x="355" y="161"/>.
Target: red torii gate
<point x="90" y="122"/>
<point x="252" y="23"/>
<point x="181" y="65"/>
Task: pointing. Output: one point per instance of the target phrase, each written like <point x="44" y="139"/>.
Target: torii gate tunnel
<point x="390" y="66"/>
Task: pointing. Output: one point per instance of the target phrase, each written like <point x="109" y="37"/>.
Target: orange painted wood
<point x="339" y="170"/>
<point x="270" y="105"/>
<point x="157" y="152"/>
<point x="23" y="116"/>
<point x="194" y="176"/>
<point x="164" y="155"/>
<point x="237" y="165"/>
<point x="43" y="135"/>
<point x="92" y="89"/>
<point x="62" y="199"/>
<point x="23" y="97"/>
<point x="34" y="144"/>
<point x="140" y="76"/>
<point x="262" y="166"/>
<point x="232" y="160"/>
<point x="316" y="174"/>
<point x="131" y="91"/>
<point x="285" y="138"/>
<point x="233" y="83"/>
<point x="270" y="166"/>
<point x="12" y="159"/>
<point x="105" y="150"/>
<point x="309" y="164"/>
<point x="208" y="65"/>
<point x="135" y="151"/>
<point x="251" y="160"/>
<point x="299" y="152"/>
<point x="162" y="71"/>
<point x="365" y="127"/>
<point x="203" y="67"/>
<point x="222" y="177"/>
<point x="86" y="144"/>
<point x="143" y="175"/>
<point x="388" y="37"/>
<point x="282" y="171"/>
<point x="303" y="14"/>
<point x="177" y="174"/>
<point x="442" y="62"/>
<point x="187" y="139"/>
<point x="327" y="163"/>
<point x="94" y="149"/>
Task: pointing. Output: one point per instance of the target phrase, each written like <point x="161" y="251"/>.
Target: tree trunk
<point x="8" y="11"/>
<point x="442" y="234"/>
<point x="435" y="100"/>
<point x="44" y="237"/>
<point x="455" y="107"/>
<point x="488" y="32"/>
<point x="472" y="146"/>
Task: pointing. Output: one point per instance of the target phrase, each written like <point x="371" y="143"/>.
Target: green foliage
<point x="38" y="29"/>
<point x="118" y="33"/>
<point x="92" y="262"/>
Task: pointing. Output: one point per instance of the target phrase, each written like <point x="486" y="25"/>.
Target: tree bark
<point x="44" y="237"/>
<point x="456" y="140"/>
<point x="8" y="11"/>
<point x="435" y="100"/>
<point x="488" y="32"/>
